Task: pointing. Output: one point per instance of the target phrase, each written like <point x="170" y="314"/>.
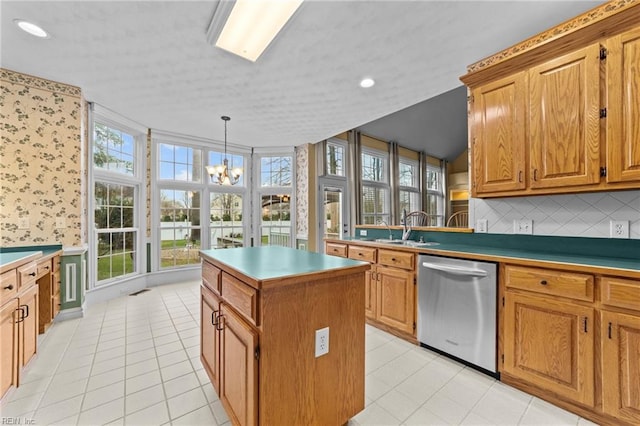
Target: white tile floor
<point x="135" y="361"/>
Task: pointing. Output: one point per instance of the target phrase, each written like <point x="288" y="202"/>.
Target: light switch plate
<point x="61" y="223"/>
<point x="481" y="226"/>
<point x="23" y="222"/>
<point x="363" y="232"/>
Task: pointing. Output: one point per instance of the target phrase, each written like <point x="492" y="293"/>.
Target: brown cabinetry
<point x="623" y="107"/>
<point x="564" y="120"/>
<point x="48" y="279"/>
<point x="389" y="287"/>
<point x="18" y="322"/>
<point x="560" y="117"/>
<point x="258" y="341"/>
<point x="620" y="347"/>
<point x="548" y="336"/>
<point x="498" y="135"/>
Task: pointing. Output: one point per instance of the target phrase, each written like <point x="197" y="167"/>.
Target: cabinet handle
<point x="360" y="254"/>
<point x="214" y="317"/>
<point x="22" y="317"/>
<point x="543" y="282"/>
<point x="33" y="274"/>
<point x="46" y="267"/>
<point x="220" y="324"/>
<point x="535" y="174"/>
<point x="393" y="259"/>
<point x="609" y="330"/>
<point x="9" y="287"/>
<point x="520" y="176"/>
<point x="584" y="322"/>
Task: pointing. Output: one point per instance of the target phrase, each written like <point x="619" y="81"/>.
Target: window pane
<point x="373" y="168"/>
<point x="179" y="227"/>
<point x="374" y="205"/>
<point x="276" y="220"/>
<point x="408" y="175"/>
<point x="409" y="201"/>
<point x="335" y="160"/>
<point x="275" y="171"/>
<point x="179" y="163"/>
<point x="433" y="180"/>
<point x="226" y="220"/>
<point x="113" y="149"/>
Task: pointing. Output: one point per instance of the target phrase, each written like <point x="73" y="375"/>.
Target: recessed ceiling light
<point x="31" y="28"/>
<point x="367" y="82"/>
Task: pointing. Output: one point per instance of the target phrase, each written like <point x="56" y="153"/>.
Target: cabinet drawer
<point x="336" y="249"/>
<point x="43" y="268"/>
<point x="242" y="297"/>
<point x="211" y="277"/>
<point x="397" y="259"/>
<point x="621" y="292"/>
<point x="8" y="285"/>
<point x="27" y="274"/>
<point x="550" y="281"/>
<point x="362" y="253"/>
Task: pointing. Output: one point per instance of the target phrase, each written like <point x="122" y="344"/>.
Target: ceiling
<point x="150" y="61"/>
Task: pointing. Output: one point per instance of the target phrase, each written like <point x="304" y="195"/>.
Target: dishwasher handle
<point x="456" y="270"/>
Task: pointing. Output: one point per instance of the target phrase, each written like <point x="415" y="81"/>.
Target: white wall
<point x="579" y="215"/>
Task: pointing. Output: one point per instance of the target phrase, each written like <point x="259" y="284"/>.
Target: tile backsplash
<point x="575" y="215"/>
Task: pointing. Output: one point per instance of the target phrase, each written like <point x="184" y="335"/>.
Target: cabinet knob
<point x="543" y="282"/>
<point x="33" y="274"/>
<point x="9" y="287"/>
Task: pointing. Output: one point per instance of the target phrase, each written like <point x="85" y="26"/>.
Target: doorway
<point x="333" y="211"/>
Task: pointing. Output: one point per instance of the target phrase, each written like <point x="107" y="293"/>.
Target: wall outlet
<point x="619" y="228"/>
<point x="322" y="341"/>
<point x="481" y="226"/>
<point x="61" y="223"/>
<point x="523" y="226"/>
<point x="23" y="222"/>
<point x="363" y="232"/>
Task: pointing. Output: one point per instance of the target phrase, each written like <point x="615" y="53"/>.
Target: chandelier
<point x="221" y="174"/>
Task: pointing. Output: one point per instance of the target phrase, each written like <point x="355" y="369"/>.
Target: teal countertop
<point x="10" y="257"/>
<point x="620" y="254"/>
<point x="11" y="260"/>
<point x="273" y="262"/>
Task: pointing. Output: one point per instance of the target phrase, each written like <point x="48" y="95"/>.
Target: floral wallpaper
<point x="41" y="168"/>
<point x="302" y="191"/>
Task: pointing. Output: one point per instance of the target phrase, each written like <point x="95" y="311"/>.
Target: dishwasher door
<point x="457" y="308"/>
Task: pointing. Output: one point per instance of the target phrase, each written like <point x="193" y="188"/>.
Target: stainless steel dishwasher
<point x="457" y="309"/>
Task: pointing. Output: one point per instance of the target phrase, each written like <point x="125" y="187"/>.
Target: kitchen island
<point x="261" y="308"/>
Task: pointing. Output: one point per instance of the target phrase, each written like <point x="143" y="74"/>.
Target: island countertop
<point x="270" y="265"/>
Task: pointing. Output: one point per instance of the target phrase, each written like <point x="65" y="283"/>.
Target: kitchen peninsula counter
<point x="260" y="310"/>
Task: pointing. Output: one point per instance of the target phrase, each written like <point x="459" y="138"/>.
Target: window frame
<point x="413" y="190"/>
<point x="260" y="191"/>
<point x="107" y="176"/>
<point x="383" y="184"/>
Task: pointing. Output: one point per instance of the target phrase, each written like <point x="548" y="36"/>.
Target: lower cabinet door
<point x="550" y="344"/>
<point x="8" y="346"/>
<point x="621" y="366"/>
<point x="209" y="336"/>
<point x="396" y="298"/>
<point x="370" y="294"/>
<point x="28" y="332"/>
<point x="238" y="368"/>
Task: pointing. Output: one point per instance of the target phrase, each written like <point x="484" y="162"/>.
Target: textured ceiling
<point x="150" y="61"/>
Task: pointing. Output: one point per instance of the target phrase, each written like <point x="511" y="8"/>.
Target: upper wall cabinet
<point x="559" y="113"/>
<point x="623" y="107"/>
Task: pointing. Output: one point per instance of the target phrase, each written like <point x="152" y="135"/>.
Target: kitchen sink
<point x="408" y="243"/>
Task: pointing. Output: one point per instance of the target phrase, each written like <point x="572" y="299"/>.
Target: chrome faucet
<point x="406" y="228"/>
